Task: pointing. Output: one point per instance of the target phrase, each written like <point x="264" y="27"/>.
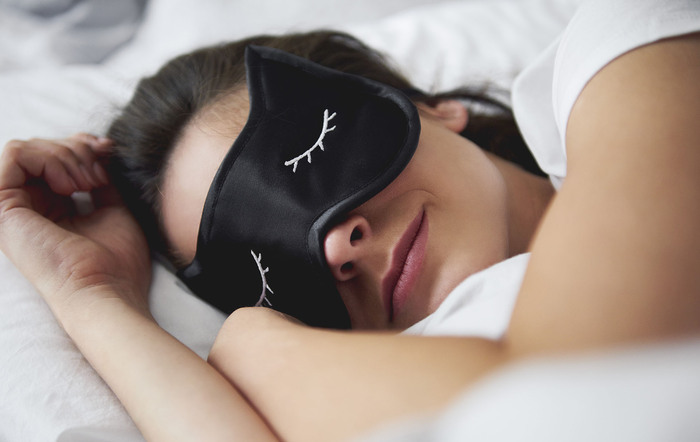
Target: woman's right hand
<point x="94" y="272"/>
<point x="70" y="257"/>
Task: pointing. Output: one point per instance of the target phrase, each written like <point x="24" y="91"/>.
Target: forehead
<point x="191" y="167"/>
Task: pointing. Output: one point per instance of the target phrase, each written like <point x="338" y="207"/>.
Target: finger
<point x="85" y="158"/>
<point x="100" y="145"/>
<point x="45" y="201"/>
<point x="84" y="137"/>
<point x="103" y="147"/>
<point x="81" y="159"/>
<point x="80" y="147"/>
<point x="69" y="157"/>
<point x="89" y="159"/>
<point x="20" y="162"/>
<point x="11" y="176"/>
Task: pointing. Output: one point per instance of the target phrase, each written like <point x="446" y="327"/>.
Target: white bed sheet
<point x="642" y="394"/>
<point x="47" y="390"/>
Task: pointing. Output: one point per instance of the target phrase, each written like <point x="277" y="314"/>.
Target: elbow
<point x="229" y="345"/>
<point x="250" y="339"/>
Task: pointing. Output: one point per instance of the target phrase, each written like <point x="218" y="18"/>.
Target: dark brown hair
<point x="163" y="104"/>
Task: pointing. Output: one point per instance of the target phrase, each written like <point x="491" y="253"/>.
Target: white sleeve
<point x="599" y="32"/>
<point x="481" y="306"/>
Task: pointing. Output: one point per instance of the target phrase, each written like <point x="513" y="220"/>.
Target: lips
<point x="406" y="263"/>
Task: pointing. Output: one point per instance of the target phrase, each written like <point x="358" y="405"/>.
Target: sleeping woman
<point x="334" y="186"/>
<point x="301" y="173"/>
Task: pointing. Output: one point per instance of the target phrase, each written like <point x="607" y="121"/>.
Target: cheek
<point x="362" y="304"/>
<point x="469" y="224"/>
<point x="481" y="207"/>
<point x="470" y="183"/>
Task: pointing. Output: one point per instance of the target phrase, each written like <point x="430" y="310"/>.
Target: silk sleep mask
<point x="317" y="144"/>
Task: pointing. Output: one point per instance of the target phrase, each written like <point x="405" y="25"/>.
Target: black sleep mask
<point x="317" y="144"/>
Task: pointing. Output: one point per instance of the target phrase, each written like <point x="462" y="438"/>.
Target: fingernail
<point x="104" y="140"/>
<point x="100" y="173"/>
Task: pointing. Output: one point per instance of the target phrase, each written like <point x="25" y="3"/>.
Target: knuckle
<point x="14" y="145"/>
<point x="84" y="151"/>
<point x="9" y="201"/>
<point x="63" y="153"/>
<point x="12" y="151"/>
<point x="52" y="164"/>
<point x="81" y="142"/>
<point x="79" y="147"/>
<point x="83" y="136"/>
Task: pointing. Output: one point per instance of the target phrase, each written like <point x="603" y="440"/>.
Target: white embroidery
<point x="265" y="287"/>
<point x="319" y="143"/>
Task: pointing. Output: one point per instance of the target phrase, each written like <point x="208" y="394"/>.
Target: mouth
<point x="406" y="263"/>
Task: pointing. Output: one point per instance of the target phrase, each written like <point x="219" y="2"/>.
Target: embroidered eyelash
<point x="319" y="143"/>
<point x="265" y="288"/>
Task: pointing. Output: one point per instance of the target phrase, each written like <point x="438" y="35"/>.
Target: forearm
<point x="169" y="391"/>
<point x="323" y="385"/>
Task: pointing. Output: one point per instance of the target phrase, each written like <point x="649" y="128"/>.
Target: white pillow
<point x="449" y="45"/>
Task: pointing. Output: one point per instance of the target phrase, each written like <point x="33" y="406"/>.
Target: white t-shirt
<point x="481" y="305"/>
<point x="601" y="30"/>
<point x="543" y="95"/>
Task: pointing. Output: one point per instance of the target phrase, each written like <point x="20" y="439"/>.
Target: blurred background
<point x="55" y="32"/>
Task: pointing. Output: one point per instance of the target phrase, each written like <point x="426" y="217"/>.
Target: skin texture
<point x="467" y="197"/>
<point x="614" y="262"/>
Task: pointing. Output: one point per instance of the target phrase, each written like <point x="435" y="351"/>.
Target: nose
<point x="345" y="245"/>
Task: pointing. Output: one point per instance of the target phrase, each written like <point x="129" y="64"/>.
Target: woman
<point x="489" y="217"/>
<point x="614" y="261"/>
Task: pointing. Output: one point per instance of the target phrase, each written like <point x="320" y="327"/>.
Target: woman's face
<point x="396" y="257"/>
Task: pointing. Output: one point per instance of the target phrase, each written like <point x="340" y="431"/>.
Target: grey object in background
<point x="36" y="33"/>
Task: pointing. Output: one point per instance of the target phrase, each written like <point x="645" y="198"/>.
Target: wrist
<point x="87" y="308"/>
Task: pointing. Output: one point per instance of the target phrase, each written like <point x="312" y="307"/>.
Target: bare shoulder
<point x="652" y="91"/>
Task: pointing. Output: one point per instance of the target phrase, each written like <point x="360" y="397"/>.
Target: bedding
<point x="48" y="391"/>
<point x="480" y="306"/>
<point x="641" y="394"/>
